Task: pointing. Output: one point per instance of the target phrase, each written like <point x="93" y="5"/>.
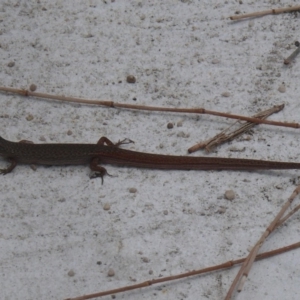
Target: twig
<point x="282" y="220"/>
<point x="223" y="136"/>
<point x="225" y="265"/>
<point x="274" y="11"/>
<point x="246" y="266"/>
<point x="148" y="108"/>
<point x="288" y="60"/>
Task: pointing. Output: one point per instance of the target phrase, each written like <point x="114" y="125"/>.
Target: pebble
<point x="179" y="124"/>
<point x="166" y="212"/>
<point x="170" y="125"/>
<point x="132" y="190"/>
<point x="282" y="88"/>
<point x="229" y="195"/>
<point x="131" y="79"/>
<point x="215" y="61"/>
<point x="111" y="273"/>
<point x="225" y="94"/>
<point x="32" y="87"/>
<point x="71" y="273"/>
<point x="106" y="206"/>
<point x="145" y="259"/>
<point x="221" y="210"/>
<point x="33" y="167"/>
<point x="29" y="118"/>
<point x="11" y="64"/>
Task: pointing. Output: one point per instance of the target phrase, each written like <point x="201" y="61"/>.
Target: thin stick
<point x="225" y="265"/>
<point x="288" y="60"/>
<point x="224" y="136"/>
<point x="148" y="108"/>
<point x="282" y="220"/>
<point x="274" y="11"/>
<point x="246" y="266"/>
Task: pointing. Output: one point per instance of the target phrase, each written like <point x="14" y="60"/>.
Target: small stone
<point x="132" y="190"/>
<point x="32" y="87"/>
<point x="88" y="35"/>
<point x="229" y="195"/>
<point x="131" y="79"/>
<point x="150" y="272"/>
<point x="29" y="118"/>
<point x="225" y="94"/>
<point x="145" y="259"/>
<point x="11" y="64"/>
<point x="69" y="132"/>
<point x="182" y="134"/>
<point x="179" y="124"/>
<point x="221" y="210"/>
<point x="111" y="273"/>
<point x="106" y="206"/>
<point x="33" y="167"/>
<point x="170" y="125"/>
<point x="215" y="61"/>
<point x="71" y="273"/>
<point x="282" y="88"/>
<point x="166" y="212"/>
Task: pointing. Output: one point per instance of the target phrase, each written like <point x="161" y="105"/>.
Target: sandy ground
<point x="60" y="232"/>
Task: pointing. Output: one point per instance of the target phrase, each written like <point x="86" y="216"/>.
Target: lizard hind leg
<point x="105" y="141"/>
<point x="12" y="165"/>
<point x="98" y="171"/>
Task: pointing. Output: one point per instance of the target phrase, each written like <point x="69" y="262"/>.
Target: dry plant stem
<point x="288" y="60"/>
<point x="282" y="220"/>
<point x="224" y="136"/>
<point x="274" y="11"/>
<point x="246" y="266"/>
<point x="225" y="265"/>
<point x="148" y="108"/>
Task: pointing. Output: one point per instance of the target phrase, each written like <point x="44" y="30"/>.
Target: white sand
<point x="183" y="54"/>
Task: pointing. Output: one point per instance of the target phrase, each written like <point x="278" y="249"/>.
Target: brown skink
<point x="106" y="151"/>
